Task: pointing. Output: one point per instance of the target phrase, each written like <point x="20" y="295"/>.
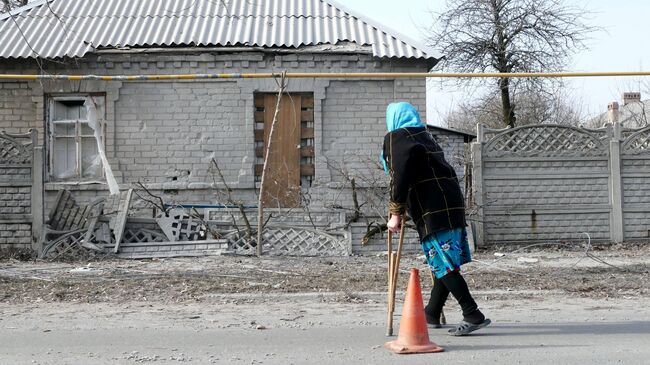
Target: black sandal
<point x="465" y="328"/>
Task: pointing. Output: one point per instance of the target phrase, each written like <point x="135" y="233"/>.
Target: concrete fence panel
<point x="546" y="183"/>
<point x="21" y="211"/>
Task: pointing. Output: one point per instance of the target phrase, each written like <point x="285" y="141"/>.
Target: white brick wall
<point x="17" y="111"/>
<point x="167" y="132"/>
<point x="164" y="133"/>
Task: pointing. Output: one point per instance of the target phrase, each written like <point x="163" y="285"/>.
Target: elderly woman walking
<point x="422" y="182"/>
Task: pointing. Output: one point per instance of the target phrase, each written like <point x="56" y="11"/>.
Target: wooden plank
<point x="307" y="151"/>
<point x="306" y="133"/>
<point x="57" y="203"/>
<point x="259" y="101"/>
<point x="120" y="220"/>
<point x="308" y="102"/>
<point x="307" y="115"/>
<point x="283" y="180"/>
<point x="259" y="116"/>
<point x="62" y="217"/>
<point x="79" y="219"/>
<point x="95" y="212"/>
<point x="259" y="135"/>
<point x="73" y="211"/>
<point x="307" y="170"/>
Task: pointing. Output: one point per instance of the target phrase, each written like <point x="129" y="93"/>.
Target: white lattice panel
<point x="637" y="143"/>
<point x="545" y="141"/>
<point x="13" y="152"/>
<point x="291" y="241"/>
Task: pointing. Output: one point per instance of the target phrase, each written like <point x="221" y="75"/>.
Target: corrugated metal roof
<point x="73" y="28"/>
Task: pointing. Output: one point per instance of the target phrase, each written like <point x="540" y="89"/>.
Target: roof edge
<point x="319" y="48"/>
<point x="386" y="29"/>
<point x="431" y="126"/>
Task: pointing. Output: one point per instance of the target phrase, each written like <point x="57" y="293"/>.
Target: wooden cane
<point x="443" y="319"/>
<point x="389" y="320"/>
<point x="394" y="274"/>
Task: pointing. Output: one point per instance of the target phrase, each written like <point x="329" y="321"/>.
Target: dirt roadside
<point x="613" y="271"/>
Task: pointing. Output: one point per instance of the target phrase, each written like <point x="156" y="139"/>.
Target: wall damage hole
<point x="177" y="175"/>
<point x="533" y="220"/>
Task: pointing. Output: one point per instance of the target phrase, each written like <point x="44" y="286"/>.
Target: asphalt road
<point x="310" y="330"/>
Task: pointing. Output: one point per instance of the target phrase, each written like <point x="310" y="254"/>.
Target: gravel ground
<point x="600" y="272"/>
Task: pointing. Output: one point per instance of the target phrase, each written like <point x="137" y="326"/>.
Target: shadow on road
<point x="607" y="328"/>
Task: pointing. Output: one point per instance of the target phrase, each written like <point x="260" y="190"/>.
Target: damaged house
<point x="195" y="147"/>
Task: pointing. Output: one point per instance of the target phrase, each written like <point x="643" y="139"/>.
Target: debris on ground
<point x="608" y="272"/>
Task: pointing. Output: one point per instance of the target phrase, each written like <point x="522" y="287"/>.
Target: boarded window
<point x="72" y="147"/>
<point x="291" y="159"/>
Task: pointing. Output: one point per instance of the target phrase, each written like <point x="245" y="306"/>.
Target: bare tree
<point x="9" y="5"/>
<point x="534" y="107"/>
<point x="507" y="36"/>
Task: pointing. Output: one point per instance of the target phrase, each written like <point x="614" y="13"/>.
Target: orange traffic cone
<point x="413" y="334"/>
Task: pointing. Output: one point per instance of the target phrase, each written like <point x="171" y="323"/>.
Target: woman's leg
<point x="456" y="284"/>
<point x="439" y="294"/>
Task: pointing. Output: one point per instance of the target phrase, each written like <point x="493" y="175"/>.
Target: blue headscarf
<point x="400" y="115"/>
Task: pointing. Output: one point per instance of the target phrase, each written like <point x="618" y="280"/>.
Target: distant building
<point x="632" y="113"/>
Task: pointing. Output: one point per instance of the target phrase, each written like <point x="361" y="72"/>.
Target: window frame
<point x="77" y="135"/>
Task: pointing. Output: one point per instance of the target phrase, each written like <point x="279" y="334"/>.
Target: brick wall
<point x="15" y="200"/>
<point x="168" y="132"/>
<point x="17" y="110"/>
<point x="354" y="126"/>
<point x="15" y="235"/>
<point x="454" y="146"/>
<point x="165" y="133"/>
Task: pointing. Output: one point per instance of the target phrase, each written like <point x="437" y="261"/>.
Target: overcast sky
<point x="622" y="46"/>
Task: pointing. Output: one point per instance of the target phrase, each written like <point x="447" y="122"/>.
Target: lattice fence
<point x="546" y="141"/>
<point x="541" y="183"/>
<point x="13" y="152"/>
<point x="20" y="190"/>
<point x="551" y="182"/>
<point x="289" y="232"/>
<point x="637" y="141"/>
<point x="291" y="241"/>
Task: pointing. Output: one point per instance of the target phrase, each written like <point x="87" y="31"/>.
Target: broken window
<point x="291" y="160"/>
<point x="72" y="148"/>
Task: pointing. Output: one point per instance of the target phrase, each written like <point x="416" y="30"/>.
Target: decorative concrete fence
<point x="21" y="191"/>
<point x="545" y="183"/>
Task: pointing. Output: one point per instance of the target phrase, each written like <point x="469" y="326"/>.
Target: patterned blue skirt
<point x="446" y="251"/>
